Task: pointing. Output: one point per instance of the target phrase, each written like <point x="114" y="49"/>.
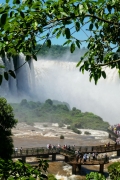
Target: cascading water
<point x="24" y="84"/>
<point x="61" y="80"/>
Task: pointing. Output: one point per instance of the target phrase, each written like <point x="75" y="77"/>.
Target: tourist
<point x="108" y="143"/>
<point x="88" y="156"/>
<point x="93" y="155"/>
<point x="21" y="150"/>
<point x="84" y="157"/>
<point x="77" y="157"/>
<point x="16" y="151"/>
<point x="47" y="146"/>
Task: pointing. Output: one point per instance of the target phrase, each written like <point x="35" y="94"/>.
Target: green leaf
<point x="78" y="43"/>
<point x="77" y="26"/>
<point x="91" y="26"/>
<point x="67" y="32"/>
<point x="3" y="18"/>
<point x="67" y="42"/>
<point x="64" y="14"/>
<point x="103" y="74"/>
<point x="11" y="13"/>
<point x="1" y="77"/>
<point x="22" y="14"/>
<point x="35" y="57"/>
<point x="1" y="66"/>
<point x="6" y="75"/>
<point x="91" y="76"/>
<point x="78" y="64"/>
<point x="48" y="43"/>
<point x="96" y="25"/>
<point x="12" y="73"/>
<point x="7" y="1"/>
<point x="72" y="47"/>
<point x="81" y="9"/>
<point x="58" y="34"/>
<point x="16" y="2"/>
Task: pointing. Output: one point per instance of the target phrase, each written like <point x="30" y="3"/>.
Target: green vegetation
<point x="114" y="171"/>
<point x="38" y="21"/>
<point x="87" y="133"/>
<point x="60" y="113"/>
<point x="10" y="170"/>
<point x="73" y="127"/>
<point x="57" y="52"/>
<point x="62" y="137"/>
<point x="7" y="122"/>
<point x="45" y="125"/>
<point x="51" y="177"/>
<point x="95" y="176"/>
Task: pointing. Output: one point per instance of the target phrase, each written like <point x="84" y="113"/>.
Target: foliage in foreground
<point x="95" y="176"/>
<point x="7" y="122"/>
<point x="10" y="170"/>
<point x="114" y="171"/>
<point x="25" y="23"/>
<point x="59" y="112"/>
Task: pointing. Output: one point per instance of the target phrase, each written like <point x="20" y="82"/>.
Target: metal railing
<point x="71" y="152"/>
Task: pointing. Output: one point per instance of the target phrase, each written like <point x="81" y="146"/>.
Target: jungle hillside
<point x="54" y="111"/>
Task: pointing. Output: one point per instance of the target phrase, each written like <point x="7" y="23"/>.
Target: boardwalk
<point x="69" y="155"/>
<point x="41" y="151"/>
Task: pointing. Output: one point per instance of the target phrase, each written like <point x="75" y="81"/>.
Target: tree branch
<point x="105" y="64"/>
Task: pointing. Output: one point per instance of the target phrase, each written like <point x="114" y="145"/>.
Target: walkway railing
<point x="87" y="149"/>
<point x="112" y="133"/>
<point x="34" y="151"/>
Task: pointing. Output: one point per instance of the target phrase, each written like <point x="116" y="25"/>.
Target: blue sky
<point x="80" y="35"/>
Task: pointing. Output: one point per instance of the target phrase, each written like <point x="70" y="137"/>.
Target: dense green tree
<point x="25" y="23"/>
<point x="23" y="102"/>
<point x="95" y="176"/>
<point x="20" y="170"/>
<point x="57" y="112"/>
<point x="114" y="170"/>
<point x="49" y="101"/>
<point x="7" y="122"/>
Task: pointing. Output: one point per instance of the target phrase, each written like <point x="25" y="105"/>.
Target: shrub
<point x="45" y="125"/>
<point x="68" y="127"/>
<point x="87" y="133"/>
<point x="61" y="124"/>
<point x="61" y="137"/>
<point x="95" y="175"/>
<point x="114" y="170"/>
<point x="51" y="177"/>
<point x="76" y="130"/>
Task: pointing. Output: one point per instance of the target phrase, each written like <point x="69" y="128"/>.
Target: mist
<point x="61" y="80"/>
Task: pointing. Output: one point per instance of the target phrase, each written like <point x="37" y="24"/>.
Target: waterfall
<point x="61" y="80"/>
<point x="24" y="84"/>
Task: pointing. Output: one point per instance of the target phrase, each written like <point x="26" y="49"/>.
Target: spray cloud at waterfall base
<point x="61" y="80"/>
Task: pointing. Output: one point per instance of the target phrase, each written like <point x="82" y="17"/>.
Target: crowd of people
<point x="81" y="157"/>
<point x="67" y="147"/>
<point x="116" y="129"/>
